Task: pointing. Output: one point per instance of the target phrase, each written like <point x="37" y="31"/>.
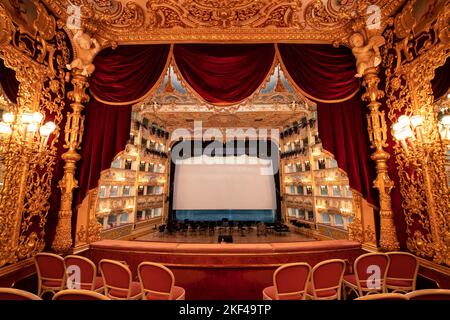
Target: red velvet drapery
<point x="224" y="74"/>
<point x="326" y="75"/>
<point x="121" y="77"/>
<point x="9" y="82"/>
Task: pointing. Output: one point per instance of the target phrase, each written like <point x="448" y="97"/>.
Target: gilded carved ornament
<point x="141" y="21"/>
<point x="411" y="51"/>
<point x="31" y="45"/>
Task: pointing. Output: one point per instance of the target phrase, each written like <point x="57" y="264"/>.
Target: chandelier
<point x="409" y="131"/>
<point x="26" y="130"/>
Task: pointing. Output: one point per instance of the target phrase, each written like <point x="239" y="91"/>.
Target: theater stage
<point x="248" y="237"/>
<point x="233" y="271"/>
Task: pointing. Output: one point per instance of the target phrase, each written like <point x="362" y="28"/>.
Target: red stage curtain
<point x="224" y="74"/>
<point x="9" y="82"/>
<point x="441" y="82"/>
<point x="326" y="75"/>
<point x="121" y="77"/>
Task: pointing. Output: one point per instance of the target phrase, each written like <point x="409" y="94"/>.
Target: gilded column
<point x="73" y="136"/>
<point x="378" y="135"/>
<point x="81" y="68"/>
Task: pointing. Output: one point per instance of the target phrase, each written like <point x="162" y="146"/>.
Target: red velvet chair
<point x="429" y="294"/>
<point x="384" y="296"/>
<point x="79" y="294"/>
<point x="88" y="273"/>
<point x="119" y="284"/>
<point x="326" y="280"/>
<point x="402" y="272"/>
<point x="51" y="272"/>
<point x="157" y="282"/>
<point x="16" y="294"/>
<point x="370" y="275"/>
<point x="290" y="282"/>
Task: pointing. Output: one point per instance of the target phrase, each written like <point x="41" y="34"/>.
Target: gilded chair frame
<point x="398" y="289"/>
<point x="419" y="293"/>
<point x="21" y="293"/>
<point x="94" y="267"/>
<point x="108" y="287"/>
<point x="384" y="296"/>
<point x="68" y="292"/>
<point x="43" y="288"/>
<point x="338" y="288"/>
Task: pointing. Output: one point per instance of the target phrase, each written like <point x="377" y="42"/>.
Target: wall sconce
<point x="26" y="130"/>
<point x="409" y="129"/>
<point x="444" y="128"/>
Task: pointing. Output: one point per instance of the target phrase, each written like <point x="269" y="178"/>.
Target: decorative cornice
<point x="157" y="21"/>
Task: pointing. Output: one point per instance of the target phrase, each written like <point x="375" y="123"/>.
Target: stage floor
<point x="248" y="237"/>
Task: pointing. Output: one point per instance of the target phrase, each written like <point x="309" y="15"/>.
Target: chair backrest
<point x="291" y="281"/>
<point x="429" y="294"/>
<point x="403" y="266"/>
<point x="116" y="275"/>
<point x="78" y="294"/>
<point x="384" y="296"/>
<point x="371" y="270"/>
<point x="16" y="294"/>
<point x="50" y="266"/>
<point x="328" y="275"/>
<point x="156" y="279"/>
<point x="88" y="270"/>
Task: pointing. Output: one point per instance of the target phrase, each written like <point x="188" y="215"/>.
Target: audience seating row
<point x="156" y="282"/>
<point x="373" y="273"/>
<point x="80" y="294"/>
<point x="375" y="276"/>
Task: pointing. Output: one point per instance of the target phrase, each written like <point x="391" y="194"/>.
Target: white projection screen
<point x="223" y="183"/>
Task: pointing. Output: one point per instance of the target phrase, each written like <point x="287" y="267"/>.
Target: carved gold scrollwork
<point x="410" y="58"/>
<point x="38" y="58"/>
<point x="229" y="20"/>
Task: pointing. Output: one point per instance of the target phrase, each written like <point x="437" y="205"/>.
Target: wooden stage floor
<point x="238" y="237"/>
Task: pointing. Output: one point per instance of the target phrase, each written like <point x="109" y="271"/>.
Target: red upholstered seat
<point x="118" y="281"/>
<point x="177" y="294"/>
<point x="51" y="272"/>
<point x="399" y="282"/>
<point x="402" y="272"/>
<point x="158" y="282"/>
<point x="88" y="272"/>
<point x="290" y="282"/>
<point x="123" y="293"/>
<point x="269" y="293"/>
<point x="322" y="293"/>
<point x="351" y="279"/>
<point x="326" y="280"/>
<point x="98" y="284"/>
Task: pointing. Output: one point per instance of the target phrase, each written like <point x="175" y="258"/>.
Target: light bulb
<point x="5" y="128"/>
<point x="32" y="127"/>
<point x="26" y="118"/>
<point x="416" y="121"/>
<point x="445" y="121"/>
<point x="8" y="117"/>
<point x="403" y="134"/>
<point x="47" y="129"/>
<point x="37" y="117"/>
<point x="404" y="120"/>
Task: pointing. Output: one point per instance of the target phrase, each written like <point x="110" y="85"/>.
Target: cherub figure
<point x="87" y="48"/>
<point x="367" y="56"/>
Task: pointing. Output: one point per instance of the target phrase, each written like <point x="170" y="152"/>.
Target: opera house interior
<point x="224" y="150"/>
